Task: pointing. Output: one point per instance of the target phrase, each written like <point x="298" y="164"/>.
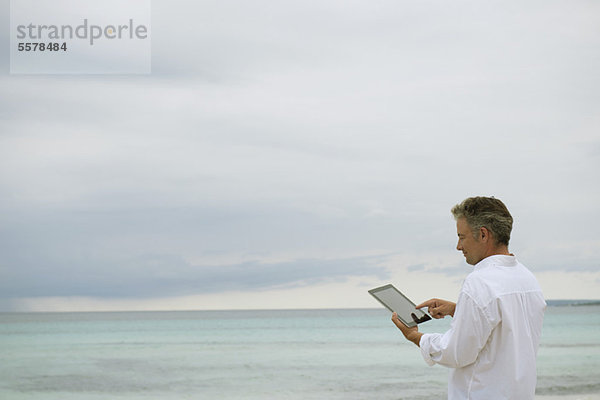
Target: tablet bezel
<point x="412" y="323"/>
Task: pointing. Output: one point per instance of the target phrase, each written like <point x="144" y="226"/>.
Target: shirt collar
<point x="497" y="259"/>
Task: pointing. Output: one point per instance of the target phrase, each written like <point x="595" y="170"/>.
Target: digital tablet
<point x="396" y="302"/>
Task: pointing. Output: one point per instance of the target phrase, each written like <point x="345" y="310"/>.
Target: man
<point x="492" y="344"/>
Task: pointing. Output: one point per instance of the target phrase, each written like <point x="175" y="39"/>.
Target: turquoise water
<point x="316" y="354"/>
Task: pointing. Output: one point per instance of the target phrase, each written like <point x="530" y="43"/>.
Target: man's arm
<point x="411" y="334"/>
<point x="461" y="344"/>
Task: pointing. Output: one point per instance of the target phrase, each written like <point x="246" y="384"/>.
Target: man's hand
<point x="411" y="334"/>
<point x="439" y="308"/>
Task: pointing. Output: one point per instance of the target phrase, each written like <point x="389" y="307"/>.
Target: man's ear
<point x="484" y="234"/>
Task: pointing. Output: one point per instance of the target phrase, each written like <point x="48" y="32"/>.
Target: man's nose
<point x="458" y="246"/>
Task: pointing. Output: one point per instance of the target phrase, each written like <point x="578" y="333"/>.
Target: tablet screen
<point x="396" y="302"/>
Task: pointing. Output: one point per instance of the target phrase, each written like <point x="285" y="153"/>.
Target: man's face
<point x="473" y="249"/>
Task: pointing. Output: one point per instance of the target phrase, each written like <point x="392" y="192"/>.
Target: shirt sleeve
<point x="461" y="344"/>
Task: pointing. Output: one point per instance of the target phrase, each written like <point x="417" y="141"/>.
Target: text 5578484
<point x="41" y="46"/>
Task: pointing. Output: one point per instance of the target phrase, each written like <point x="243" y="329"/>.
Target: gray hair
<point x="487" y="212"/>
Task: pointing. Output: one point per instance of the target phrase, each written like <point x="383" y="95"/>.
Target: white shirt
<point x="492" y="343"/>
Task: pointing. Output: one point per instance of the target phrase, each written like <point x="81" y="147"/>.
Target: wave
<point x="572" y="303"/>
<point x="566" y="345"/>
<point x="566" y="388"/>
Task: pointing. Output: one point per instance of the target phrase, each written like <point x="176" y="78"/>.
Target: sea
<point x="268" y="354"/>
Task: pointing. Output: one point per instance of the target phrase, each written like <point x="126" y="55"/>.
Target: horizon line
<point x="556" y="303"/>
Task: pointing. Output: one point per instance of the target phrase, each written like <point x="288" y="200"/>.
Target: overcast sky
<point x="294" y="154"/>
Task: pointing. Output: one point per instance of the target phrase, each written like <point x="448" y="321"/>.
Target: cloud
<point x="452" y="270"/>
<point x="415" y="267"/>
<point x="155" y="275"/>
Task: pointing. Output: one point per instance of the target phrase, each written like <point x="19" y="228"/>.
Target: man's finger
<point x="428" y="303"/>
<point x="397" y="322"/>
<point x="436" y="313"/>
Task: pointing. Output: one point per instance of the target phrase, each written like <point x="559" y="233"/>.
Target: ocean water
<point x="300" y="354"/>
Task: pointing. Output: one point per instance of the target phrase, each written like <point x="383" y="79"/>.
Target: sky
<point x="294" y="154"/>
